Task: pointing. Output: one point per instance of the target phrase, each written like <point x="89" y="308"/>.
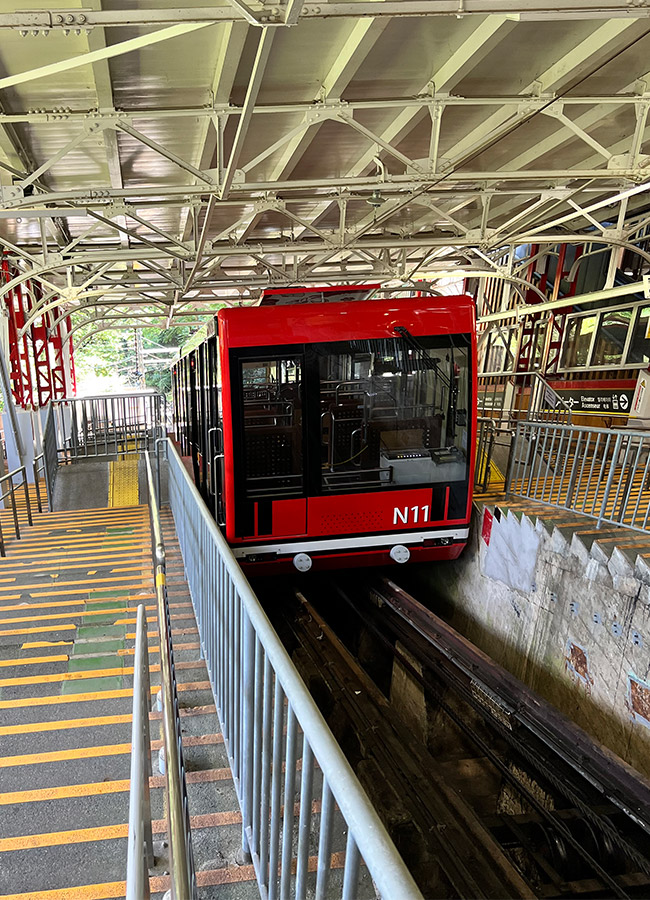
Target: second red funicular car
<point x="343" y="433"/>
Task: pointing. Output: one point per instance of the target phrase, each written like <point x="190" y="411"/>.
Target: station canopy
<point x="159" y="160"/>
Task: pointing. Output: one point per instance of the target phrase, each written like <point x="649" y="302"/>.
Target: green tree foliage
<point x="110" y="359"/>
<point x="158" y="374"/>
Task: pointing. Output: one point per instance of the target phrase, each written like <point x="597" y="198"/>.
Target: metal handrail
<point x="12" y="494"/>
<point x="38" y="468"/>
<point x="544" y="404"/>
<point x="543" y="390"/>
<point x="104" y="425"/>
<point x="140" y="843"/>
<point x="485" y="440"/>
<point x="50" y="455"/>
<point x="262" y="703"/>
<point x="602" y="473"/>
<point x="181" y="867"/>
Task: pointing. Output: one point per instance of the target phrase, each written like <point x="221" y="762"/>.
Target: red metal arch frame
<point x="37" y="366"/>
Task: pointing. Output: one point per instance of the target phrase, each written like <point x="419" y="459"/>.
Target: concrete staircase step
<point x="69" y="590"/>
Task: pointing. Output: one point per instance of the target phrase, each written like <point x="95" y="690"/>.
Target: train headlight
<point x="400" y="554"/>
<point x="302" y="562"/>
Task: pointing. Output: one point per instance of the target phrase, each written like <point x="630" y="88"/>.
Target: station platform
<point x="68" y="595"/>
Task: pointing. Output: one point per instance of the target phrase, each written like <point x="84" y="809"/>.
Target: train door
<point x="269" y="442"/>
<point x="193" y="415"/>
<point x="214" y="436"/>
<point x="203" y="454"/>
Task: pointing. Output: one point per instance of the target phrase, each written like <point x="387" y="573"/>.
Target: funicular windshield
<point x="378" y="413"/>
<point x="394" y="412"/>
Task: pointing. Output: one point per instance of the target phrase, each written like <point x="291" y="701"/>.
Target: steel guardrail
<point x="50" y="455"/>
<point x="11" y="493"/>
<point x="502" y="396"/>
<point x="181" y="862"/>
<point x="275" y="734"/>
<point x="598" y="472"/>
<point x="110" y="424"/>
<point x="140" y="843"/>
<point x="39" y="466"/>
<point x="485" y="439"/>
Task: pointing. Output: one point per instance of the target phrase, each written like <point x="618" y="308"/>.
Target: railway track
<point x="492" y="793"/>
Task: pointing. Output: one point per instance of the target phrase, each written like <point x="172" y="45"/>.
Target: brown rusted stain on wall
<point x="577" y="664"/>
<point x="640" y="699"/>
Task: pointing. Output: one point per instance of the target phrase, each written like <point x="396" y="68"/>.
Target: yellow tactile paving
<point x="123" y="482"/>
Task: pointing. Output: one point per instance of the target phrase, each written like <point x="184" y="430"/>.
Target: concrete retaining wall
<point x="571" y="623"/>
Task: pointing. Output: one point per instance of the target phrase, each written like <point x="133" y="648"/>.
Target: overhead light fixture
<point x="375" y="199"/>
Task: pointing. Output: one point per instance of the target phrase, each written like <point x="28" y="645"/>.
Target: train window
<point x="639" y="351"/>
<point x="611" y="336"/>
<point x="500" y="351"/>
<point x="578" y="341"/>
<point x="273" y="427"/>
<point x="393" y="412"/>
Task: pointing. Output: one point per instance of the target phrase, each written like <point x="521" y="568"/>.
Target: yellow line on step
<point x="55" y="699"/>
<point x="32" y="661"/>
<point x="97" y="583"/>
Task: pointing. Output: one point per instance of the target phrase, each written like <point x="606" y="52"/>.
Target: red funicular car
<point x="329" y="430"/>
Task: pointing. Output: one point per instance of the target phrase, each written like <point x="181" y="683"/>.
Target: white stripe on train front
<point x="351" y="543"/>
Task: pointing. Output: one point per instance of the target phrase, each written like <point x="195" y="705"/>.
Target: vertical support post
<point x="27" y="501"/>
<point x="10" y="407"/>
<point x="514" y="441"/>
<point x="248" y="685"/>
<point x="610" y="479"/>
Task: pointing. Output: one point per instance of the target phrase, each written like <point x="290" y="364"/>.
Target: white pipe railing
<point x="140" y="850"/>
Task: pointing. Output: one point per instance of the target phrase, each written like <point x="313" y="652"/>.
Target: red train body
<point x="343" y="433"/>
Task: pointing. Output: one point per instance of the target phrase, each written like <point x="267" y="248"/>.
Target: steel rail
<point x="463" y="668"/>
<point x="572" y="751"/>
<point x="270" y="17"/>
<point x="181" y="867"/>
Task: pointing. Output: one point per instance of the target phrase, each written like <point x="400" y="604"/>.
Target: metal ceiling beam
<point x="163" y="151"/>
<point x="159" y="231"/>
<point x="469" y="178"/>
<point x="104" y="91"/>
<point x="483" y="38"/>
<point x="355" y="48"/>
<point x="169" y="251"/>
<point x="254" y="83"/>
<point x="233" y="37"/>
<point x="595" y="48"/>
<point x="269" y="16"/>
<point x="64" y="65"/>
<point x="54" y="117"/>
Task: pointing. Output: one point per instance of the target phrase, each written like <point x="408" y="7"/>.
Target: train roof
<point x="277" y="323"/>
<point x="376" y="318"/>
<point x="330" y="294"/>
